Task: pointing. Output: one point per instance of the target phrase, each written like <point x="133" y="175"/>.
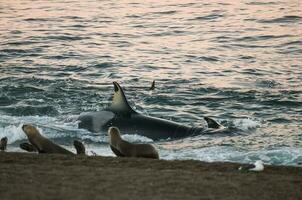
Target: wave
<point x="280" y="156"/>
<point x="29" y="110"/>
<point x="51" y="127"/>
<point x="12" y="132"/>
<point x="209" y="17"/>
<point x="261" y="38"/>
<point x="246" y="124"/>
<point x="284" y="19"/>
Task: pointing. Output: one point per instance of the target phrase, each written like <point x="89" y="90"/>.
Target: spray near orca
<point x="121" y="115"/>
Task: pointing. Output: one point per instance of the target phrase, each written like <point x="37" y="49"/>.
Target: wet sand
<point x="33" y="176"/>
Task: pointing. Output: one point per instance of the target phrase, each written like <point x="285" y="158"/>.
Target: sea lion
<point x="42" y="144"/>
<point x="122" y="148"/>
<point x="3" y="143"/>
<point x="79" y="146"/>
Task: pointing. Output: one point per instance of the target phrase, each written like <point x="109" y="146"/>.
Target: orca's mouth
<point x="116" y="86"/>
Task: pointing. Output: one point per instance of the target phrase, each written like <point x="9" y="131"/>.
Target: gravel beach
<point x="42" y="176"/>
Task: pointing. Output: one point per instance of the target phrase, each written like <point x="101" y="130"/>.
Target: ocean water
<point x="239" y="62"/>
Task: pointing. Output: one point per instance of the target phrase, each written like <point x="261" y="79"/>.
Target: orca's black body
<point x="121" y="115"/>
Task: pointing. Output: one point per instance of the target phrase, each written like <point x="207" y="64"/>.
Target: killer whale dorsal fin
<point x="119" y="102"/>
<point x="212" y="123"/>
<point x="152" y="86"/>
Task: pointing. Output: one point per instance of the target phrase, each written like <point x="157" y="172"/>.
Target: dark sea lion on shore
<point x="42" y="144"/>
<point x="3" y="143"/>
<point x="79" y="146"/>
<point x="122" y="148"/>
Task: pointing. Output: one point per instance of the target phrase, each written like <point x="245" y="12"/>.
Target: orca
<point x="121" y="115"/>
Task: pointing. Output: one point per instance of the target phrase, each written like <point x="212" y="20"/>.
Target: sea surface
<point x="239" y="62"/>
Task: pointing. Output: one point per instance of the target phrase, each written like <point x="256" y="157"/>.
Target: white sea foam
<point x="15" y="133"/>
<point x="95" y="138"/>
<point x="246" y="124"/>
<point x="16" y="120"/>
<point x="136" y="138"/>
<point x="12" y="132"/>
<point x="284" y="156"/>
<point x="100" y="150"/>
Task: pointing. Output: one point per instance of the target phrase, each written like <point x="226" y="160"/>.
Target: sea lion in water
<point x="3" y="143"/>
<point x="42" y="144"/>
<point x="122" y="148"/>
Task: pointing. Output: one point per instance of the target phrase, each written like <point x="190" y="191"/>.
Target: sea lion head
<point x="3" y="143"/>
<point x="30" y="130"/>
<point x="4" y="140"/>
<point x="114" y="133"/>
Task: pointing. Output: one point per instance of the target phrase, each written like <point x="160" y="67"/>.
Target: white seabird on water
<point x="256" y="167"/>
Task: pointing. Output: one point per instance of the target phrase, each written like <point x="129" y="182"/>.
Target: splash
<point x="246" y="124"/>
<point x="13" y="133"/>
<point x="11" y="127"/>
<point x="137" y="138"/>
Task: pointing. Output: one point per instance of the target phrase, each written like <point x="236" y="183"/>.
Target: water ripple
<point x="284" y="19"/>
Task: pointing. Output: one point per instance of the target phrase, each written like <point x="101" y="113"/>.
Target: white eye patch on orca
<point x="94" y="121"/>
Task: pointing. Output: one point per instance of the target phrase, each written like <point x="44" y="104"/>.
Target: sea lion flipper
<point x="28" y="147"/>
<point x="116" y="152"/>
